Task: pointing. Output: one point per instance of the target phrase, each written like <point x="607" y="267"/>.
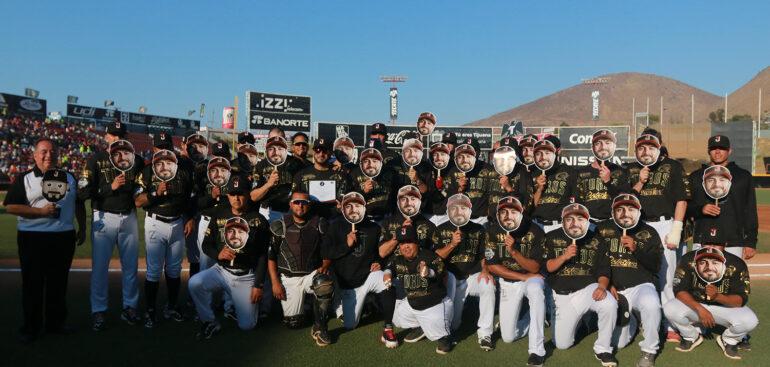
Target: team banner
<point x="576" y="144"/>
<point x="106" y="114"/>
<point x="13" y="104"/>
<point x="595" y="105"/>
<point x="359" y="133"/>
<point x="393" y="104"/>
<point x="268" y="110"/>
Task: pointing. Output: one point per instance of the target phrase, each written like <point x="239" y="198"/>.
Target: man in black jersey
<point x="554" y="187"/>
<point x="324" y="185"/>
<point x="602" y="180"/>
<point x="272" y="179"/>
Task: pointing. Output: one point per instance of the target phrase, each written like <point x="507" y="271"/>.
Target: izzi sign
<point x="268" y="110"/>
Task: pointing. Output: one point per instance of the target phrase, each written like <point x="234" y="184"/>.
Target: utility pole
<point x="594" y="96"/>
<point x="393" y="94"/>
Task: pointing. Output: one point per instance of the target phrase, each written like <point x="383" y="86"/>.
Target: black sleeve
<point x="88" y="175"/>
<point x="696" y="203"/>
<point x="491" y="256"/>
<point x="751" y="225"/>
<point x="209" y="244"/>
<point x="602" y="263"/>
<point x="260" y="268"/>
<point x="334" y="244"/>
<point x="618" y="182"/>
<point x="650" y="256"/>
<point x="680" y="183"/>
<point x="682" y="276"/>
<point x="275" y="244"/>
<point x="740" y="284"/>
<point x="17" y="194"/>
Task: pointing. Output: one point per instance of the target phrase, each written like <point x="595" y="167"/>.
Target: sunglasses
<point x="301" y="144"/>
<point x="300" y="202"/>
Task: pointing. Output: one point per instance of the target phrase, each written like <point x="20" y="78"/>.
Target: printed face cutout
<point x="54" y="185"/>
<point x="275" y="152"/>
<point x="197" y="148"/>
<point x="411" y="151"/>
<point x="710" y="264"/>
<point x="509" y="218"/>
<point x="236" y="233"/>
<point x="122" y="155"/>
<point x="626" y="216"/>
<point x="426" y="123"/>
<point x="575" y="226"/>
<point x="344" y="150"/>
<point x="603" y="148"/>
<point x="353" y="207"/>
<point x="717" y="181"/>
<point x="439" y="155"/>
<point x="371" y="162"/>
<point x="250" y="152"/>
<point x="218" y="171"/>
<point x="458" y="209"/>
<point x="647" y="154"/>
<point x="504" y="160"/>
<point x="164" y="165"/>
<point x="527" y="155"/>
<point x="409" y="200"/>
<point x="465" y="158"/>
<point x="544" y="158"/>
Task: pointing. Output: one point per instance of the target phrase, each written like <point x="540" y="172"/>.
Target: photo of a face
<point x="425" y="126"/>
<point x="250" y="151"/>
<point x="411" y="152"/>
<point x="575" y="226"/>
<point x="626" y="216"/>
<point x="276" y="154"/>
<point x="439" y="158"/>
<point x="544" y="158"/>
<point x="509" y="218"/>
<point x="122" y="155"/>
<point x="236" y="233"/>
<point x="459" y="209"/>
<point x="527" y="155"/>
<point x="465" y="158"/>
<point x="219" y="172"/>
<point x="710" y="269"/>
<point x="353" y="207"/>
<point x="504" y="160"/>
<point x="344" y="150"/>
<point x="647" y="154"/>
<point x="717" y="182"/>
<point x="54" y="190"/>
<point x="603" y="149"/>
<point x="197" y="151"/>
<point x="164" y="165"/>
<point x="371" y="166"/>
<point x="409" y="205"/>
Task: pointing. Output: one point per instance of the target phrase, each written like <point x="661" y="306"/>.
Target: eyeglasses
<point x="300" y="202"/>
<point x="300" y="144"/>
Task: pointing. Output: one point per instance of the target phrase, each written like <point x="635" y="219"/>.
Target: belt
<point x="162" y="218"/>
<point x="658" y="219"/>
<point x="597" y="220"/>
<point x="548" y="222"/>
<point x="116" y="212"/>
<point x="562" y="293"/>
<point x="237" y="272"/>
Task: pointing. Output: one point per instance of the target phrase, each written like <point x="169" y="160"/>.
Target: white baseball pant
<point x="203" y="224"/>
<point x="643" y="299"/>
<point x="164" y="244"/>
<point x="434" y="321"/>
<point x="203" y="285"/>
<point x="438" y="219"/>
<point x="191" y="243"/>
<point x="295" y="289"/>
<point x="570" y="309"/>
<point x="353" y="299"/>
<point x="738" y="321"/>
<point x="471" y="286"/>
<point x="668" y="266"/>
<point x="108" y="229"/>
<point x="513" y="328"/>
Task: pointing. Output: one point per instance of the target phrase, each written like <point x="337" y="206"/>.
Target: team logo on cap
<point x="717" y="138"/>
<point x="117" y="124"/>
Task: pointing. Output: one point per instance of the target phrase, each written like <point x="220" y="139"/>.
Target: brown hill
<point x="615" y="103"/>
<point x="744" y="101"/>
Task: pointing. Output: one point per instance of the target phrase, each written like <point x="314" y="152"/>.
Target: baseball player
<point x="526" y="150"/>
<point x="514" y="249"/>
<point x="296" y="267"/>
<point x="518" y="183"/>
<point x="463" y="250"/>
<point x="377" y="191"/>
<point x="475" y="183"/>
<point x="195" y="151"/>
<point x="110" y="187"/>
<point x="241" y="272"/>
<point x="412" y="168"/>
<point x="579" y="272"/>
<point x="320" y="177"/>
<point x="635" y="255"/>
<point x="379" y="131"/>
<point x="354" y="257"/>
<point x="299" y="147"/>
<point x="712" y="287"/>
<point x="435" y="198"/>
<point x="273" y="183"/>
<point x="165" y="192"/>
<point x="663" y="190"/>
<point x="602" y="180"/>
<point x="554" y="187"/>
<point x="209" y="189"/>
<point x="422" y="274"/>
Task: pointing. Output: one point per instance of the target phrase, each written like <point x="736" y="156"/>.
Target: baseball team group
<point x="409" y="235"/>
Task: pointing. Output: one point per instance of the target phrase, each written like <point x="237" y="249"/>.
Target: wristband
<point x="675" y="234"/>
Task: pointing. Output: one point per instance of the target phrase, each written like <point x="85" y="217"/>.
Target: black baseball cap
<point x="379" y="128"/>
<point x="624" y="311"/>
<point x="221" y="149"/>
<point x="406" y="234"/>
<point x="554" y="139"/>
<point x="509" y="142"/>
<point x="238" y="185"/>
<point x="603" y="134"/>
<point x="162" y="141"/>
<point x="195" y="138"/>
<point x="719" y="142"/>
<point x="323" y="143"/>
<point x="374" y="143"/>
<point x="246" y="138"/>
<point x="472" y="142"/>
<point x="449" y="138"/>
<point x="55" y="174"/>
<point x="528" y="140"/>
<point x="116" y="128"/>
<point x="411" y="135"/>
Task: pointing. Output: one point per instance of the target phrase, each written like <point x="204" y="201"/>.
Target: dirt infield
<point x="763" y="213"/>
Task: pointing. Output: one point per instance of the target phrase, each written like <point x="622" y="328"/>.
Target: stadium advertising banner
<point x="268" y="110"/>
<point x="14" y="104"/>
<point x="359" y="133"/>
<point x="576" y="144"/>
<point x="105" y="114"/>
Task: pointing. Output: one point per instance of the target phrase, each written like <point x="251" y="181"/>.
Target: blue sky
<point x="465" y="60"/>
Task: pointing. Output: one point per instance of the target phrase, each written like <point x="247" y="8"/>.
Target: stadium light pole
<point x="594" y="95"/>
<point x="393" y="94"/>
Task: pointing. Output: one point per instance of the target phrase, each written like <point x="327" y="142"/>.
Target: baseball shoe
<point x="208" y="329"/>
<point x="607" y="359"/>
<point x="745" y="344"/>
<point x="486" y="344"/>
<point x="646" y="360"/>
<point x="170" y="313"/>
<point x="673" y="337"/>
<point x="150" y="320"/>
<point x="388" y="338"/>
<point x="535" y="360"/>
<point x="445" y="345"/>
<point x="686" y="345"/>
<point x="414" y="335"/>
<point x="230" y="314"/>
<point x="321" y="336"/>
<point x="100" y="321"/>
<point x="129" y="316"/>
<point x="730" y="351"/>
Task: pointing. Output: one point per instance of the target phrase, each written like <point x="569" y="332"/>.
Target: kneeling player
<point x="514" y="250"/>
<point x="236" y="237"/>
<point x="422" y="274"/>
<point x="712" y="288"/>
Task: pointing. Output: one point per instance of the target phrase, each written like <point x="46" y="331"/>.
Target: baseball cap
<point x="712" y="252"/>
<point x="276" y="140"/>
<point x="528" y="140"/>
<point x="553" y="139"/>
<point x="221" y="149"/>
<point x="238" y="185"/>
<point x="162" y="141"/>
<point x="406" y="234"/>
<point x="344" y="140"/>
<point x="472" y="142"/>
<point x="603" y="134"/>
<point x="427" y="115"/>
<point x="624" y="311"/>
<point x="717" y="170"/>
<point x="509" y="201"/>
<point x="544" y="144"/>
<point x="371" y="152"/>
<point x="439" y="146"/>
<point x="719" y="142"/>
<point x="409" y="190"/>
<point x="247" y="148"/>
<point x="218" y="161"/>
<point x="378" y="128"/>
<point x="55" y="174"/>
<point x="575" y="208"/>
<point x="509" y="142"/>
<point x="164" y="154"/>
<point x="116" y="128"/>
<point x="449" y="138"/>
<point x="373" y="143"/>
<point x="648" y="139"/>
<point x="323" y="143"/>
<point x="460" y="199"/>
<point x="195" y="138"/>
<point x="413" y="142"/>
<point x="410" y="135"/>
<point x="626" y="199"/>
<point x="246" y="138"/>
<point x="237" y="222"/>
<point x="121" y="144"/>
<point x="465" y="148"/>
<point x="353" y="197"/>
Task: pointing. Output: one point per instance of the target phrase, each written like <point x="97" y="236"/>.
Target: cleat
<point x="150" y="320"/>
<point x="172" y="314"/>
<point x="388" y="338"/>
<point x="486" y="344"/>
<point x="129" y="316"/>
<point x="230" y="314"/>
<point x="445" y="345"/>
<point x="607" y="359"/>
<point x="414" y="335"/>
<point x="100" y="322"/>
<point x="535" y="360"/>
<point x="673" y="337"/>
<point x="208" y="329"/>
<point x="686" y="345"/>
<point x="321" y="336"/>
<point x="730" y="351"/>
<point x="646" y="360"/>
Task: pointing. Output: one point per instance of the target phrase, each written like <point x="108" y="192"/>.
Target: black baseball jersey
<point x="178" y="198"/>
<point x="529" y="239"/>
<point x="203" y="188"/>
<point x="465" y="259"/>
<point x="735" y="280"/>
<point x="521" y="182"/>
<point x="401" y="170"/>
<point x="95" y="183"/>
<point x="422" y="225"/>
<point x="666" y="185"/>
<point x="479" y="183"/>
<point x="737" y="223"/>
<point x="630" y="269"/>
<point x="342" y="186"/>
<point x="389" y="156"/>
<point x="421" y="292"/>
<point x="434" y="201"/>
<point x="590" y="263"/>
<point x="379" y="200"/>
<point x="560" y="183"/>
<point x="277" y="198"/>
<point x="301" y="163"/>
<point x="296" y="248"/>
<point x="351" y="264"/>
<point x="595" y="194"/>
<point x="253" y="256"/>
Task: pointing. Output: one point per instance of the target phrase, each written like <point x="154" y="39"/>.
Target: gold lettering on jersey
<point x="414" y="281"/>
